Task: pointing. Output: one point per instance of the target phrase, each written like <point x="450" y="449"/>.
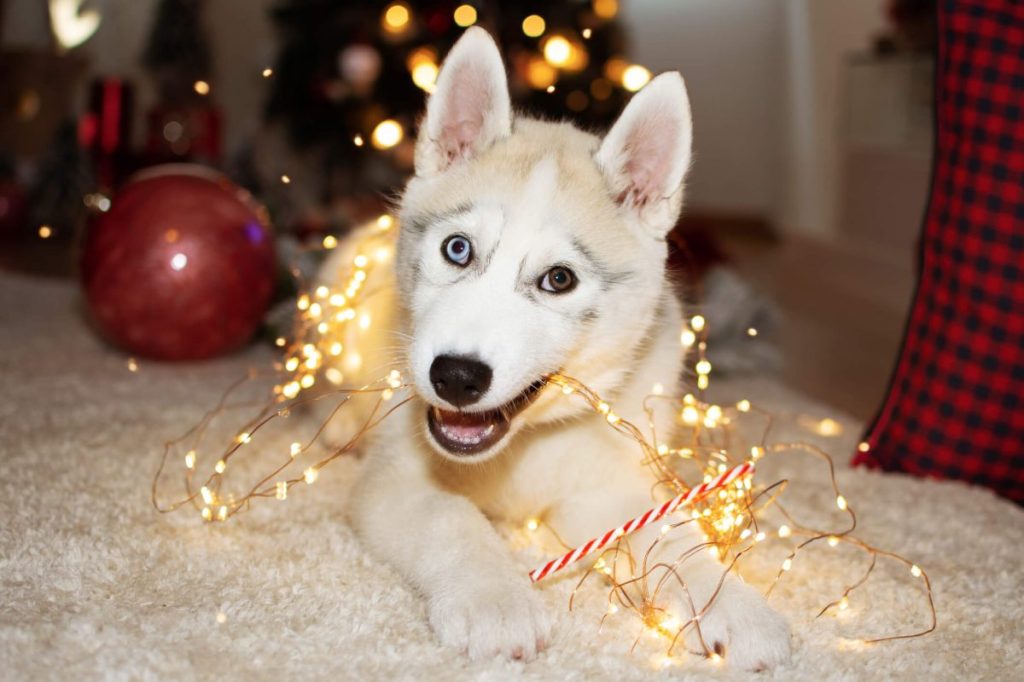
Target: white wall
<point x="820" y="35"/>
<point x="731" y="53"/>
<point x="765" y="81"/>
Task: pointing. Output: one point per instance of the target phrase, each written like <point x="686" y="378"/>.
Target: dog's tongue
<point x="463" y="426"/>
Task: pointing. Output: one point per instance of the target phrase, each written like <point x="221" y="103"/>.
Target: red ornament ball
<point x="181" y="267"/>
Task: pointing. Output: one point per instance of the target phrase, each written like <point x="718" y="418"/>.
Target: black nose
<point x="459" y="380"/>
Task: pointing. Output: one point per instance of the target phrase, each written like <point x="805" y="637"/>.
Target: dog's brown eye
<point x="558" y="280"/>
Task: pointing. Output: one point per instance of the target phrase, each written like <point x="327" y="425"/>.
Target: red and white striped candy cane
<point x="650" y="516"/>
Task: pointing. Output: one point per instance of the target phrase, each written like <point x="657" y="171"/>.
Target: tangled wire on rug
<point x="709" y="473"/>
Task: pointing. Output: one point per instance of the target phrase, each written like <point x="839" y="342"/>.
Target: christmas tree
<point x="351" y="77"/>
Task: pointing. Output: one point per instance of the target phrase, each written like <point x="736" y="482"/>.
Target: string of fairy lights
<point x="330" y="321"/>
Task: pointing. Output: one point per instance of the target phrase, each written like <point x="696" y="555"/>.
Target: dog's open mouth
<point x="469" y="433"/>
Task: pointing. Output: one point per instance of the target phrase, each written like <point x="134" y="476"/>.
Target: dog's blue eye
<point x="558" y="280"/>
<point x="458" y="250"/>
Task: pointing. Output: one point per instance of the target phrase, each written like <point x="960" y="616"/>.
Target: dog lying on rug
<point x="529" y="247"/>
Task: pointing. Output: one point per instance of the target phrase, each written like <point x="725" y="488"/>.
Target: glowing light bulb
<point x="751" y="331"/>
<point x="915" y="571"/>
<point x="690" y="415"/>
<point x="534" y="26"/>
<point x="285" y="180"/>
<point x="634" y="78"/>
<point x="220" y="466"/>
<point x="206" y="494"/>
<point x="833" y="540"/>
<point x="743" y="406"/>
<point x="310" y="475"/>
<point x="703" y="367"/>
<point x="396" y="17"/>
<point x="361" y="261"/>
<point x="844" y="604"/>
<point x="387" y="134"/>
<point x="295" y="449"/>
<point x="244" y="437"/>
<point x="787" y="564"/>
<point x="206" y="514"/>
<point x="424" y="75"/>
<point x="465" y="15"/>
<point x="201" y="87"/>
<point x="687" y="338"/>
<point x="179" y="261"/>
<point x="190" y="459"/>
<point x="863" y="446"/>
<point x="606" y="9"/>
<point x="357" y="140"/>
<point x="268" y="72"/>
<point x="557" y="50"/>
<point x="841" y="503"/>
<point x="785" y="531"/>
<point x="281" y="490"/>
<point x="532" y="525"/>
<point x="385" y="222"/>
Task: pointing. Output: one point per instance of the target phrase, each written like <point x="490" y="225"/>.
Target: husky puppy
<point x="525" y="248"/>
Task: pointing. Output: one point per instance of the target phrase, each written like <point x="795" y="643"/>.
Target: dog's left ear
<point x="470" y="108"/>
<point x="646" y="154"/>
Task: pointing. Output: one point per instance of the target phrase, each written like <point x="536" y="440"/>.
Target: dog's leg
<point x="443" y="545"/>
<point x="736" y="623"/>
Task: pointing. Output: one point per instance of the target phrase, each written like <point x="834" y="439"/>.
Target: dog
<point x="529" y="247"/>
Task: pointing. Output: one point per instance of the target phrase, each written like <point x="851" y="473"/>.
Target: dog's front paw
<point x="741" y="627"/>
<point x="491" y="618"/>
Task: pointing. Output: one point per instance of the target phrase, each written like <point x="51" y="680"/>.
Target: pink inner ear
<point x="463" y="118"/>
<point x="650" y="148"/>
<point x="457" y="139"/>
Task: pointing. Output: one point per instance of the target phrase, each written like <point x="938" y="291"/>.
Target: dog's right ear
<point x="646" y="154"/>
<point x="470" y="108"/>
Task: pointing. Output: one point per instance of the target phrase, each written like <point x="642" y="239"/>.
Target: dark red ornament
<point x="182" y="265"/>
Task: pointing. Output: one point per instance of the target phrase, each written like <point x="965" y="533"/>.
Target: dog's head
<point x="530" y="247"/>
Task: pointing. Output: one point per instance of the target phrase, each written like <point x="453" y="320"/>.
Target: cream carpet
<point x="95" y="585"/>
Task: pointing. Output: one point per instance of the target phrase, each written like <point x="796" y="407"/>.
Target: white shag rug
<point x="94" y="584"/>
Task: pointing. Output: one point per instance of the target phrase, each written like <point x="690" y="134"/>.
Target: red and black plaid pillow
<point x="955" y="407"/>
